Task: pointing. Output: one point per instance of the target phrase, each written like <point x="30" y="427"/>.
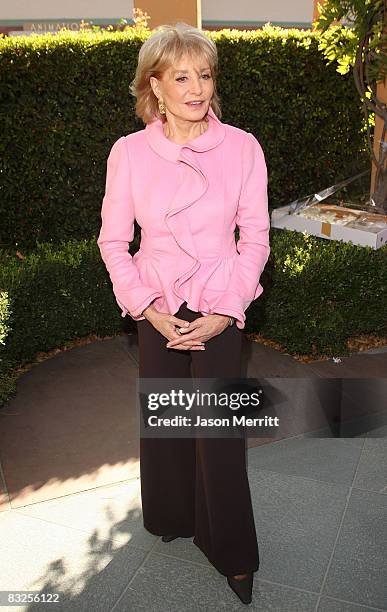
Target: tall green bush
<point x="65" y="99"/>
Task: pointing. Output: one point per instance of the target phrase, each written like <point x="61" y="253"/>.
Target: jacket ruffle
<point x="193" y="286"/>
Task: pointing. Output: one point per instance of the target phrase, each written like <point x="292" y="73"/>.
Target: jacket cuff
<point x="231" y="304"/>
<point x="147" y="296"/>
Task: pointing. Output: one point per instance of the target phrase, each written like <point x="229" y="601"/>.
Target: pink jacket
<point x="187" y="199"/>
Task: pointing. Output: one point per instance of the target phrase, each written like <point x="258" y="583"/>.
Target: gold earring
<point x="161" y="107"/>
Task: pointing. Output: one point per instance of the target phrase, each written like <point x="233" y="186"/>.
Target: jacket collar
<point x="212" y="137"/>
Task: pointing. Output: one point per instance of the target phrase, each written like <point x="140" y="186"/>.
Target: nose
<point x="196" y="88"/>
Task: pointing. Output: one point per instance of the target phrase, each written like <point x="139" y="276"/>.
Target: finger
<point x="189" y="348"/>
<point x="193" y="325"/>
<point x="181" y="347"/>
<point x="194" y="335"/>
<point x="173" y="343"/>
<point x="192" y="340"/>
<point x="180" y="322"/>
<point x="175" y="336"/>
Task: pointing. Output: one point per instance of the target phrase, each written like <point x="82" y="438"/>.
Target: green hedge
<point x="65" y="99"/>
<point x="317" y="294"/>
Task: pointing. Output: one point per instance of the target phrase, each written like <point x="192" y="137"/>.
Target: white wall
<point x="217" y="10"/>
<point x="67" y="9"/>
<point x="258" y="10"/>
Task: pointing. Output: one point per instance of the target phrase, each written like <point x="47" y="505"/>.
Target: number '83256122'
<point x="16" y="597"/>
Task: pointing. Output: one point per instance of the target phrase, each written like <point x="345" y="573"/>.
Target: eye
<point x="205" y="76"/>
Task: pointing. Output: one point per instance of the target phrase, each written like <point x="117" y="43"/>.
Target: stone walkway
<point x="71" y="519"/>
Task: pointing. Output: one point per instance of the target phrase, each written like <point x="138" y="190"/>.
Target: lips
<point x="195" y="103"/>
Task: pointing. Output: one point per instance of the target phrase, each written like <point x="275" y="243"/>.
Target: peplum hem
<point x="197" y="291"/>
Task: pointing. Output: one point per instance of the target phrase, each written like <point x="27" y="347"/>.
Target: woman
<point x="189" y="179"/>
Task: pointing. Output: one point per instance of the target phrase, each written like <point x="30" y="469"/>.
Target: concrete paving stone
<point x="351" y="366"/>
<point x="113" y="512"/>
<point x="75" y="421"/>
<point x="163" y="583"/>
<point x="183" y="548"/>
<point x="331" y="460"/>
<point x="378" y="432"/>
<point x="130" y="346"/>
<point x="325" y="432"/>
<point x="87" y="571"/>
<point x="358" y="571"/>
<point x="363" y="404"/>
<point x="300" y="404"/>
<point x="350" y="407"/>
<point x="104" y="587"/>
<point x="266" y="362"/>
<point x="364" y="426"/>
<point x="371" y="473"/>
<point x="327" y="604"/>
<point x="296" y="520"/>
<point x="368" y="394"/>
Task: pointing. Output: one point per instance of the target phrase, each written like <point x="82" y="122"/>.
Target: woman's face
<point x="188" y="81"/>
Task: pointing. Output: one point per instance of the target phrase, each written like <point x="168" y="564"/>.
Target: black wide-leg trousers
<point x="198" y="486"/>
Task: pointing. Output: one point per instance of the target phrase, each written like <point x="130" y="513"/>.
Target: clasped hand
<point x="195" y="333"/>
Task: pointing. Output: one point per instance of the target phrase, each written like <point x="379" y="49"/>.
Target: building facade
<point x="19" y="17"/>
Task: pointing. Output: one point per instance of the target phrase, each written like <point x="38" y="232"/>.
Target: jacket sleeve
<point x="253" y="247"/>
<point x="117" y="231"/>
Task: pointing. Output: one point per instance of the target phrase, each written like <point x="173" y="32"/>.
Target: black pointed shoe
<point x="168" y="538"/>
<point x="243" y="588"/>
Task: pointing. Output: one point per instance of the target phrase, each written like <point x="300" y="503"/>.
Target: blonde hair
<point x="158" y="53"/>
